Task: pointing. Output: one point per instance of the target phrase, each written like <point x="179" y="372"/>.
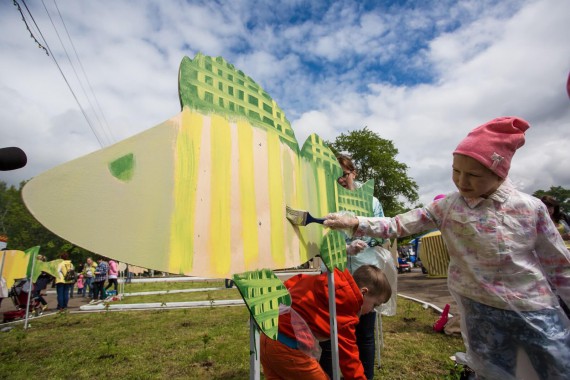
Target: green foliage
<point x="24" y="231"/>
<point x="561" y="194"/>
<point x="375" y="158"/>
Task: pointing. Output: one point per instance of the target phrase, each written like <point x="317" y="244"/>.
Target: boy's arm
<point x="349" y="361"/>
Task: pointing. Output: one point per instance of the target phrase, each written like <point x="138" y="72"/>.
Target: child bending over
<point x="294" y="355"/>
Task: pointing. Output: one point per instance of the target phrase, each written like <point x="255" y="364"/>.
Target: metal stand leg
<point x="254" y="367"/>
<point x="30" y="291"/>
<point x="379" y="338"/>
<point x="334" y="331"/>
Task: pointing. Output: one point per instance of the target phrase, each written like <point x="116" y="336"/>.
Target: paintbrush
<point x="301" y="218"/>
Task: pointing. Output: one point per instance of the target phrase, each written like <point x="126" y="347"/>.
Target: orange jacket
<point x="310" y="299"/>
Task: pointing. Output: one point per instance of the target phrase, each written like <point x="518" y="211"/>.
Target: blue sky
<point x="419" y="73"/>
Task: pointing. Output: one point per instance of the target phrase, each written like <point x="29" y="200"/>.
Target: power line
<point x="102" y="130"/>
<point x="28" y="27"/>
<point x="62" y="74"/>
<point x="69" y="60"/>
<point x="98" y="108"/>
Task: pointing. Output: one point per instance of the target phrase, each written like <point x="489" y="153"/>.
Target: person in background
<point x="99" y="280"/>
<point x="553" y="208"/>
<point x="80" y="285"/>
<point x="71" y="288"/>
<point x="509" y="267"/>
<point x="41" y="283"/>
<point x="113" y="275"/>
<point x="128" y="275"/>
<point x="361" y="251"/>
<point x="88" y="276"/>
<point x="61" y="285"/>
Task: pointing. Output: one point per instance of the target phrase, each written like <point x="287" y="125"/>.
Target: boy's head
<point x="494" y="143"/>
<point x="374" y="286"/>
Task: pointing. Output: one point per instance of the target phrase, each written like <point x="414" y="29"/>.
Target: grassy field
<point x="223" y="294"/>
<point x="207" y="343"/>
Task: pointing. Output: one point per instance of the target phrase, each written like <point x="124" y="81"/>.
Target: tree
<point x="24" y="231"/>
<point x="375" y="158"/>
<point x="561" y="194"/>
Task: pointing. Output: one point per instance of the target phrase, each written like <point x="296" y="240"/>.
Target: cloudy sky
<point x="419" y="73"/>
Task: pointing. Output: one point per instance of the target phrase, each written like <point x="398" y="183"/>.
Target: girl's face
<point x="473" y="179"/>
<point x="347" y="178"/>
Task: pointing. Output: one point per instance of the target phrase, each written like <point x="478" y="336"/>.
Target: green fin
<point x="212" y="85"/>
<point x="333" y="251"/>
<point x="263" y="292"/>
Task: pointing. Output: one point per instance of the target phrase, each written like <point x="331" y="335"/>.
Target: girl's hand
<point x="337" y="221"/>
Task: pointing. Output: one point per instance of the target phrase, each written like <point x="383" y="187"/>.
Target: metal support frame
<point x="254" y="363"/>
<point x="30" y="291"/>
<point x="333" y="326"/>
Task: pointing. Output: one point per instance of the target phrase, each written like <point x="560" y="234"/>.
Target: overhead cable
<point x="102" y="130"/>
<point x="28" y="27"/>
<point x="107" y="130"/>
<point x="62" y="74"/>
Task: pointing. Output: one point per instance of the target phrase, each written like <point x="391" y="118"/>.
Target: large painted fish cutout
<point x="204" y="193"/>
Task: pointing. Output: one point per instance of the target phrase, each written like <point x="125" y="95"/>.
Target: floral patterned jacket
<point x="504" y="251"/>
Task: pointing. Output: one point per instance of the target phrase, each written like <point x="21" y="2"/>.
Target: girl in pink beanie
<point x="509" y="269"/>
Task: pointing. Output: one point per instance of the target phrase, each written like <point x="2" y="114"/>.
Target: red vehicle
<point x="403" y="265"/>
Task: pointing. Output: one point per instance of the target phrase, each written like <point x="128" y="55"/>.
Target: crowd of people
<point x="89" y="281"/>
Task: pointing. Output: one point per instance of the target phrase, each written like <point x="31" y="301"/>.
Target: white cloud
<point x="314" y="122"/>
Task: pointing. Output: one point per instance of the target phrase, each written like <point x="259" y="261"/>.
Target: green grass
<point x="225" y="294"/>
<point x="153" y="286"/>
<point x="206" y="343"/>
<point x="412" y="350"/>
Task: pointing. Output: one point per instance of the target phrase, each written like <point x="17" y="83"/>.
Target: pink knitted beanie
<point x="493" y="144"/>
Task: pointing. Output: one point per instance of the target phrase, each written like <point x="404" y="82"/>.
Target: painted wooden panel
<point x="203" y="193"/>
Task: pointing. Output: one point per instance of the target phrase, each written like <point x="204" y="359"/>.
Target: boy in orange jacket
<point x="294" y="355"/>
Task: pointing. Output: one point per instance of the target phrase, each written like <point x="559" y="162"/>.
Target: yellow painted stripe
<point x="290" y="164"/>
<point x="247" y="193"/>
<point x="186" y="161"/>
<point x="322" y="182"/>
<point x="276" y="201"/>
<point x="220" y="177"/>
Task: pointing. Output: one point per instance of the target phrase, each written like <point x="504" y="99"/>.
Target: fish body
<point x="203" y="193"/>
